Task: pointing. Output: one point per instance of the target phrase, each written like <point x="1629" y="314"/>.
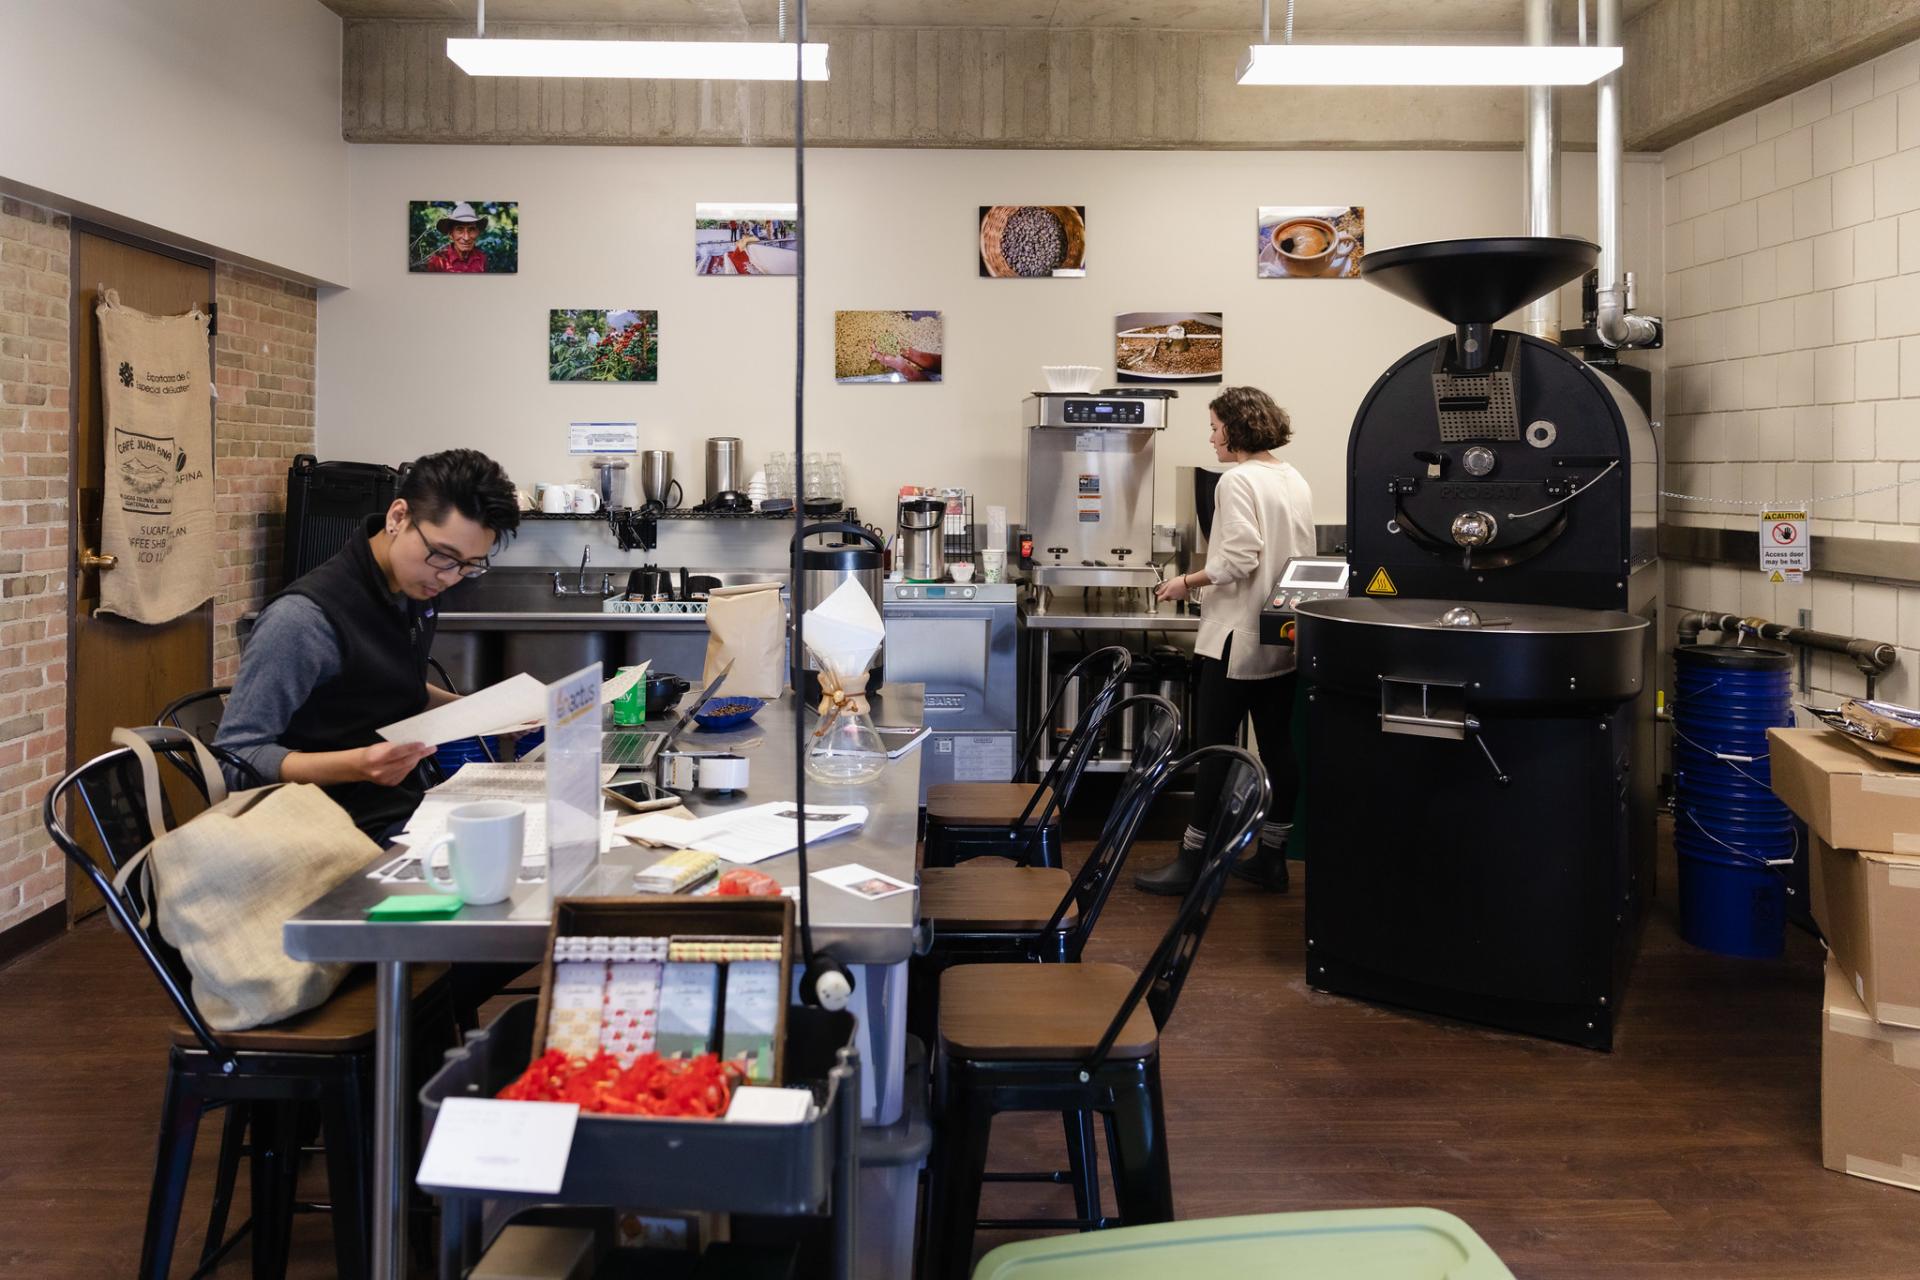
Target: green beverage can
<point x="630" y="708"/>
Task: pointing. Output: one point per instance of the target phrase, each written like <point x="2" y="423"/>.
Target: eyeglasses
<point x="444" y="560"/>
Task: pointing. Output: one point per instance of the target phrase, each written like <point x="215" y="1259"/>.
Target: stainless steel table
<point x="1169" y="620"/>
<point x="874" y="938"/>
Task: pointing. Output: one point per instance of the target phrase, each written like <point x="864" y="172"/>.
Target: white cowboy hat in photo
<point x="462" y="212"/>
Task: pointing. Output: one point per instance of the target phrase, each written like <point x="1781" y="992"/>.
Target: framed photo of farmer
<point x="463" y="237"/>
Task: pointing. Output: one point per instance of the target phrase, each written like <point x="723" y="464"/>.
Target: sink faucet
<point x="579" y="587"/>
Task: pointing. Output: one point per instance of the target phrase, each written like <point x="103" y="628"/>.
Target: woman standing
<point x="1262" y="517"/>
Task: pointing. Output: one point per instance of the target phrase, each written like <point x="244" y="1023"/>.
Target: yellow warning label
<point x="1776" y="576"/>
<point x="1380" y="584"/>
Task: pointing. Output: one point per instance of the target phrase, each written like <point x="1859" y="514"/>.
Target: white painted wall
<point x="411" y="363"/>
<point x="1793" y="243"/>
<point x="213" y="123"/>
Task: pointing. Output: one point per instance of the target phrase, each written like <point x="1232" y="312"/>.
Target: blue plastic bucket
<point x="1736" y="842"/>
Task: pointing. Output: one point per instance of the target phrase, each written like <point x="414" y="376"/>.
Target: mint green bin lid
<point x="1346" y="1244"/>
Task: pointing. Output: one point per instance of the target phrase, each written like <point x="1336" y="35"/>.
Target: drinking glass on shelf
<point x="778" y="484"/>
<point x="836" y="476"/>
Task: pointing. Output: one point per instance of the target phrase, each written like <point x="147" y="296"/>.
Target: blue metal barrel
<point x="1736" y="842"/>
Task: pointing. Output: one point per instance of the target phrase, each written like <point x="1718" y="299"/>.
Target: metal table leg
<point x="391" y="988"/>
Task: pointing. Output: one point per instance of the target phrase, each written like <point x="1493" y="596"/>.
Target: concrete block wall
<point x="1793" y="352"/>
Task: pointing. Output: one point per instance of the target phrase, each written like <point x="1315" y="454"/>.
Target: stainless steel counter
<point x="1168" y="620"/>
<point x="573" y="620"/>
<point x="858" y="931"/>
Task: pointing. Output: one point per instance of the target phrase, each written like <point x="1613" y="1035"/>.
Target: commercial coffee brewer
<point x="1089" y="487"/>
<point x="1479" y="747"/>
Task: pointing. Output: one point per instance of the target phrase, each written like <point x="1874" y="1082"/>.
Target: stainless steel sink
<point x="531" y="591"/>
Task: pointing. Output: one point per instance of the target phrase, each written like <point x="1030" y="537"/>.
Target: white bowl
<point x="1071" y="377"/>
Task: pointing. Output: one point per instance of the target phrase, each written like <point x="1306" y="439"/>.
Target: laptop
<point x="639" y="746"/>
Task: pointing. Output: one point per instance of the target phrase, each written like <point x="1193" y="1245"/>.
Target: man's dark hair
<point x="1253" y="421"/>
<point x="463" y="480"/>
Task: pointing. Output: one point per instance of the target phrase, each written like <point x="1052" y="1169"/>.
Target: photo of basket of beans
<point x="1033" y="240"/>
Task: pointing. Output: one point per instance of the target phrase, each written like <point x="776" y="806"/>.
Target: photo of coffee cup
<point x="484" y="843"/>
<point x="1302" y="243"/>
<point x="1306" y="245"/>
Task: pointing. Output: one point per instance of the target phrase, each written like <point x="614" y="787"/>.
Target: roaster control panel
<point x="1305" y="578"/>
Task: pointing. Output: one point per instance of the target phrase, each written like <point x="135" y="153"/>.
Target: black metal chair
<point x="1074" y="1038"/>
<point x="983" y="914"/>
<point x="1021" y="820"/>
<point x="271" y="1078"/>
<point x="199" y="713"/>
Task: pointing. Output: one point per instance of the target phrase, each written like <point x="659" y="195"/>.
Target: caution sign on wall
<point x="157" y="507"/>
<point x="1786" y="553"/>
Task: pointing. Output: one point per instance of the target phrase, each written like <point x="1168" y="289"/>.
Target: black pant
<point x="1220" y="706"/>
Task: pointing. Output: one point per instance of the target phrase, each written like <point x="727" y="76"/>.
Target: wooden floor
<point x="1691" y="1151"/>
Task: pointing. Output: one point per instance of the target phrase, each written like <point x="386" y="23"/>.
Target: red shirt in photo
<point x="451" y="259"/>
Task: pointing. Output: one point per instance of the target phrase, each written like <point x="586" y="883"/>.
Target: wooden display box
<point x="668" y="916"/>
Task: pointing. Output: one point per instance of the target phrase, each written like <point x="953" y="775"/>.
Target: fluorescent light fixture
<point x="638" y="59"/>
<point x="1413" y="64"/>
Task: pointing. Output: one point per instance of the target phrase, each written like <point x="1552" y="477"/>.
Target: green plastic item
<point x="416" y="906"/>
<point x="1345" y="1244"/>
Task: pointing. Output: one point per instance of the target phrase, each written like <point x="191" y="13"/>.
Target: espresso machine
<point x="1089" y="486"/>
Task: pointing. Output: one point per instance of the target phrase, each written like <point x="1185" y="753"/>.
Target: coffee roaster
<point x="1479" y="725"/>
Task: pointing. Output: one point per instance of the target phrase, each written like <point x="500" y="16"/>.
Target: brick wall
<point x="263" y="370"/>
<point x="34" y="245"/>
<point x="1793" y="354"/>
<point x="263" y="355"/>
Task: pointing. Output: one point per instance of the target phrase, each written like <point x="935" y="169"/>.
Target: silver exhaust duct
<point x="1542" y="171"/>
<point x="1615" y="320"/>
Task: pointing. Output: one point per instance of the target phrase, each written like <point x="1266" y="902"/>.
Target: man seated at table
<point x="343" y="649"/>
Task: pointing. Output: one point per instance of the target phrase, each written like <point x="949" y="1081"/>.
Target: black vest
<point x="382" y="678"/>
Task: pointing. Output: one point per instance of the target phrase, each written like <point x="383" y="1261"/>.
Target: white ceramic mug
<point x="585" y="498"/>
<point x="484" y="843"/>
<point x="556" y="499"/>
<point x="993" y="564"/>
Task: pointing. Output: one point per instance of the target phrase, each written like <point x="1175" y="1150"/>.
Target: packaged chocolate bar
<point x="630" y="1010"/>
<point x="689" y="999"/>
<point x="722" y="948"/>
<point x="752" y="1017"/>
<point x="573" y="1014"/>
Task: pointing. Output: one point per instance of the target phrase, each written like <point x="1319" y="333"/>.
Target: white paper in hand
<point x="513" y="702"/>
<point x="844" y="630"/>
<point x="484" y="1144"/>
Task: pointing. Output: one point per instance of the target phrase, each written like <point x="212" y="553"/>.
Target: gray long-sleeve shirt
<point x="293" y="651"/>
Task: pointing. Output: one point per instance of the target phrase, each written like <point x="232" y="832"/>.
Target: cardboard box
<point x="1850" y="799"/>
<point x="1868" y="906"/>
<point x="1869" y="1091"/>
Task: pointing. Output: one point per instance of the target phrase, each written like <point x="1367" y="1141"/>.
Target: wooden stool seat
<point x="985" y="804"/>
<point x="1000" y="898"/>
<point x="344" y="1024"/>
<point x="1039" y="1011"/>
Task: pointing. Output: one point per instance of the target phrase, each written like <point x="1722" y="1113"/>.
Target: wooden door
<point x="119" y="672"/>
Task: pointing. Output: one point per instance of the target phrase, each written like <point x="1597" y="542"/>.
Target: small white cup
<point x="586" y="498"/>
<point x="962" y="570"/>
<point x="993" y="565"/>
<point x="484" y="843"/>
<point x="556" y="499"/>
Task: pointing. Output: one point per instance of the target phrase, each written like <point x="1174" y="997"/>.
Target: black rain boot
<point x="1266" y="866"/>
<point x="1177" y="876"/>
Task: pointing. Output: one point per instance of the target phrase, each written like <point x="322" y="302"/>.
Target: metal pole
<point x="1542" y="171"/>
<point x="391" y="1009"/>
<point x="1608" y="153"/>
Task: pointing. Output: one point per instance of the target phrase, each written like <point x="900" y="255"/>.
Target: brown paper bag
<point x="747" y="625"/>
<point x="157" y="507"/>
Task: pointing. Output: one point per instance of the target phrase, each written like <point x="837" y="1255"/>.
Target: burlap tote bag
<point x="156" y="514"/>
<point x="747" y="626"/>
<point x="227" y="880"/>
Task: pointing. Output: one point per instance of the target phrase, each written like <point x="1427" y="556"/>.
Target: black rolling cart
<point x="810" y="1169"/>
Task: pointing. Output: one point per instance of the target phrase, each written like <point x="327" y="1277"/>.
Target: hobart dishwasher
<point x="962" y="642"/>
